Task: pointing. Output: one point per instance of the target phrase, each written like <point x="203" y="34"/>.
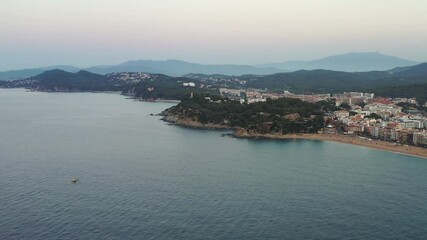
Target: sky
<point x="83" y="33"/>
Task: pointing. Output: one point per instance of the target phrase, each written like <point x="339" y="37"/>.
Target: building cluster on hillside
<point x="381" y="119"/>
<point x="129" y="77"/>
<point x="352" y="97"/>
<point x="216" y="80"/>
<point x="307" y="97"/>
<point x="256" y="95"/>
<point x="249" y="95"/>
<point x="22" y="82"/>
<point x="188" y="84"/>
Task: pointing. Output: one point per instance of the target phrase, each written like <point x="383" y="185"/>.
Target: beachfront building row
<point x="384" y="121"/>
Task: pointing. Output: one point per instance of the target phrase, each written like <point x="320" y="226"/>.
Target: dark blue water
<point x="143" y="179"/>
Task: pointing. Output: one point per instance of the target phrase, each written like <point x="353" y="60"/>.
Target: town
<point x="397" y="120"/>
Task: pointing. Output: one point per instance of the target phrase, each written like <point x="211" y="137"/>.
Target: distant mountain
<point x="179" y="68"/>
<point x="349" y="62"/>
<point x="25" y="73"/>
<point x="168" y="67"/>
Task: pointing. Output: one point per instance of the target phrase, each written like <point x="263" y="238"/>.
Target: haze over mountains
<point x="24" y="73"/>
<point x="178" y="68"/>
<point x="350" y="62"/>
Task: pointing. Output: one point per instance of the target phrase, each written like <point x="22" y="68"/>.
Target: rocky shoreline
<point x="346" y="139"/>
<point x="190" y="123"/>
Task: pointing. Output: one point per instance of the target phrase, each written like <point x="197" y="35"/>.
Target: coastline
<point x="242" y="133"/>
<point x="346" y="139"/>
<point x="158" y="100"/>
<point x="189" y="123"/>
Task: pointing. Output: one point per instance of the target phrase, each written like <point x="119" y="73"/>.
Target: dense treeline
<point x="283" y="115"/>
<point x="164" y="87"/>
<point x="323" y="81"/>
<point x="419" y="91"/>
<point x="411" y="107"/>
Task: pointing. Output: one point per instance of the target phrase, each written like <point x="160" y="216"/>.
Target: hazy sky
<point x="92" y="32"/>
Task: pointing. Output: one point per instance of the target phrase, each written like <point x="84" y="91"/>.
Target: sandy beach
<point x="377" y="144"/>
<point x="347" y="139"/>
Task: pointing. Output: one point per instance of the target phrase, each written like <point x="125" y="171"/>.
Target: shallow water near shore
<point x="140" y="178"/>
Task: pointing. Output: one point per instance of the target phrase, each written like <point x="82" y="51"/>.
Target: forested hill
<point x="59" y="80"/>
<point x="332" y="81"/>
<point x="418" y="70"/>
<point x="273" y="116"/>
<point x="139" y="85"/>
<point x="400" y="82"/>
<point x="324" y="81"/>
<point x="80" y="81"/>
<point x="408" y="82"/>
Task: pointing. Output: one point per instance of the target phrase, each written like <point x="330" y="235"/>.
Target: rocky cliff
<point x="188" y="118"/>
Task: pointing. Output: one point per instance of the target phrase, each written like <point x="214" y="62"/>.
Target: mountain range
<point x="350" y="62"/>
<point x="399" y="82"/>
<point x="168" y="67"/>
<point x="179" y="68"/>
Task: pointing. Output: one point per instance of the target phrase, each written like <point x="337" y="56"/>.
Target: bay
<point x="140" y="178"/>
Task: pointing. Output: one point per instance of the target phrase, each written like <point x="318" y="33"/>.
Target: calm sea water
<point x="141" y="178"/>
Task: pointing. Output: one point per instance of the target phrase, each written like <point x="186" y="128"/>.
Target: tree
<point x="345" y="106"/>
<point x="374" y="116"/>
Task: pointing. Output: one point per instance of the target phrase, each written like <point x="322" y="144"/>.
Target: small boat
<point x="74" y="179"/>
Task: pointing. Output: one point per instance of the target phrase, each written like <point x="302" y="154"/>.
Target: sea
<point x="142" y="178"/>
